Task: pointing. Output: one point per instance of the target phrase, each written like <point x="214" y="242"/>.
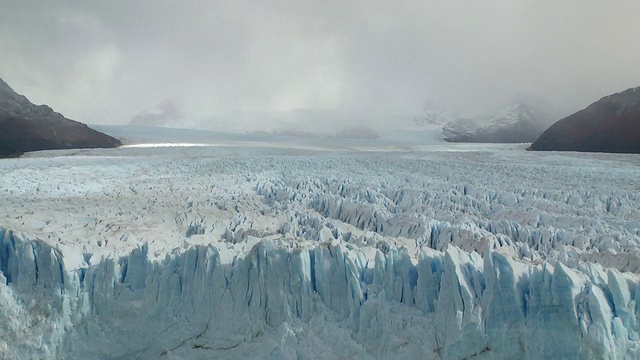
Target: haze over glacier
<point x="260" y="247"/>
<point x="317" y="213"/>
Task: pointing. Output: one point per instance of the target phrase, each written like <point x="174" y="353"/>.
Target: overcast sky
<point x="105" y="61"/>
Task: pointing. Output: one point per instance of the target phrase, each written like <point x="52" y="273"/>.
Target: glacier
<point x="463" y="252"/>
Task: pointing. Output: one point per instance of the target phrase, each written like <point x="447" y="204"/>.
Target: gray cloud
<point x="104" y="62"/>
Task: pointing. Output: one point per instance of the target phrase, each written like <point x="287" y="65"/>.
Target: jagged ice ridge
<point x="458" y="255"/>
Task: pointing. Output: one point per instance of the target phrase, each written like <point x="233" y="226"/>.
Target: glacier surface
<point x="269" y="251"/>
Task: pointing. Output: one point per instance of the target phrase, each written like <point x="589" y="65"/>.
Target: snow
<point x="520" y="119"/>
<point x="268" y="248"/>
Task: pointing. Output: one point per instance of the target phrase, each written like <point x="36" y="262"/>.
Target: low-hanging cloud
<point x="104" y="62"/>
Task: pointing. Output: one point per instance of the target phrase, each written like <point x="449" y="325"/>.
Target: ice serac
<point x="325" y="300"/>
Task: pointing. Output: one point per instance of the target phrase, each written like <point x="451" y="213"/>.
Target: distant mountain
<point x="165" y="113"/>
<point x="437" y="114"/>
<point x="300" y="123"/>
<point x="28" y="127"/>
<point x="611" y="124"/>
<point x="356" y="132"/>
<point x="516" y="123"/>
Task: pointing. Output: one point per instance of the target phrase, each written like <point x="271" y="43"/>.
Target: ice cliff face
<point x="455" y="255"/>
<point x="322" y="301"/>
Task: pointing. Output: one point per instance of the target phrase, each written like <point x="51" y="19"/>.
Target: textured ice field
<point x="253" y="249"/>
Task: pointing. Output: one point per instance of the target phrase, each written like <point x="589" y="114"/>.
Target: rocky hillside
<point x="28" y="127"/>
<point x="611" y="124"/>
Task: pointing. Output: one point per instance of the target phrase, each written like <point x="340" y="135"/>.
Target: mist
<point x="368" y="61"/>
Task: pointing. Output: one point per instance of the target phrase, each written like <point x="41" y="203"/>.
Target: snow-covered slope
<point x="454" y="252"/>
<point x="516" y="123"/>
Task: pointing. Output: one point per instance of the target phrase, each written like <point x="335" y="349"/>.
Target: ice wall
<point x="332" y="300"/>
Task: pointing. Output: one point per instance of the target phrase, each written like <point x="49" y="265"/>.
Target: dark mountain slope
<point x="28" y="127"/>
<point x="611" y="124"/>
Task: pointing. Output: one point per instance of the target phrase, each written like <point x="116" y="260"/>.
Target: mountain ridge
<point x="29" y="127"/>
<point x="515" y="123"/>
<point x="611" y="124"/>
